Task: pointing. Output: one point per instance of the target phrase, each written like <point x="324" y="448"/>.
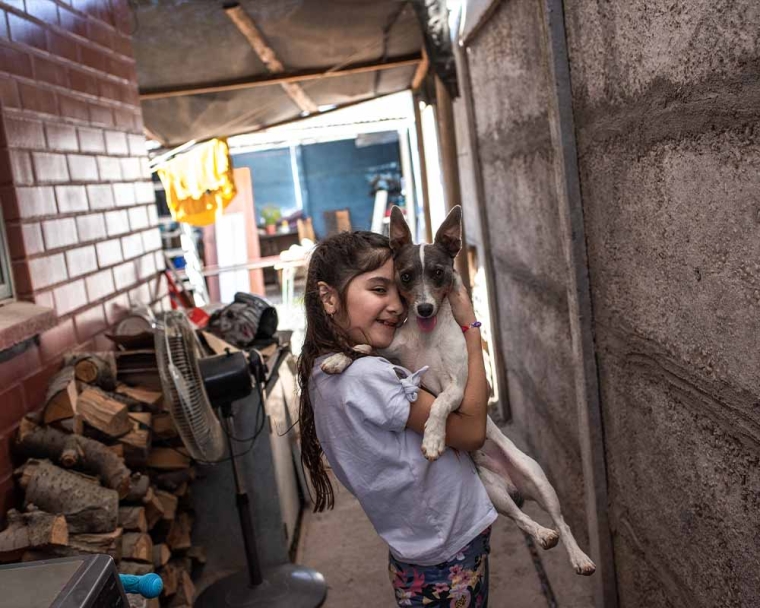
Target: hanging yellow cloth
<point x="199" y="183"/>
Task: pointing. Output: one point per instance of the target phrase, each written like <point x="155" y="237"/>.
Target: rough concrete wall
<point x="511" y="96"/>
<point x="666" y="101"/>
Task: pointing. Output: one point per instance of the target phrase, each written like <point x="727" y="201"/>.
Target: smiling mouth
<point x="392" y="324"/>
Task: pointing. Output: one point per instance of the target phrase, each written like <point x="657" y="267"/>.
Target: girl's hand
<point x="461" y="305"/>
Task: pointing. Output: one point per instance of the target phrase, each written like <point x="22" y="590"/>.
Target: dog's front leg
<point x="434" y="438"/>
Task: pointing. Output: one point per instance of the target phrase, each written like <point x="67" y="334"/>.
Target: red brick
<point x="146" y="266"/>
<point x="57" y="340"/>
<point x="81" y="260"/>
<point x="100" y="34"/>
<point x="37" y="99"/>
<point x="151" y="239"/>
<point x="62" y="46"/>
<point x="73" y="108"/>
<point x="47" y="271"/>
<point x="22" y="282"/>
<point x="72" y="22"/>
<point x="90" y="322"/>
<point x="131" y="246"/>
<point x="60" y="233"/>
<point x="50" y="72"/>
<point x="15" y="62"/>
<point x="109" y="90"/>
<point x="35" y="387"/>
<point x="44" y="10"/>
<point x="125" y="275"/>
<point x="21" y="167"/>
<point x="8" y="492"/>
<point x="82" y="168"/>
<point x="44" y="298"/>
<point x="50" y="168"/>
<point x="12" y="408"/>
<point x="84" y="82"/>
<point x="71" y="198"/>
<point x="123" y="45"/>
<point x="100" y="285"/>
<point x="109" y="168"/>
<point x="124" y="194"/>
<point x="93" y="57"/>
<point x="125" y="119"/>
<point x="138" y="218"/>
<point x="62" y="137"/>
<point x="116" y="308"/>
<point x="116" y="143"/>
<point x="9" y="96"/>
<point x="121" y="69"/>
<point x="69" y="297"/>
<point x="91" y="227"/>
<point x="102" y="115"/>
<point x="24" y="240"/>
<point x="117" y="222"/>
<point x="35" y="202"/>
<point x="26" y="32"/>
<point x="23" y="133"/>
<point x="91" y="140"/>
<point x="137" y="145"/>
<point x="145" y="192"/>
<point x="101" y="196"/>
<point x="131" y="168"/>
<point x="109" y="253"/>
<point x="22" y="365"/>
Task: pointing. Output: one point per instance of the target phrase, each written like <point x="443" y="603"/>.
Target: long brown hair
<point x="336" y="261"/>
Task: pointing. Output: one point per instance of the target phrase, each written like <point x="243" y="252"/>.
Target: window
<point x="6" y="285"/>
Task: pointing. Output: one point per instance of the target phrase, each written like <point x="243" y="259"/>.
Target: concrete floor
<point x="344" y="547"/>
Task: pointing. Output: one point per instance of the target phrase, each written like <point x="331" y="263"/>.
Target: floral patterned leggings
<point x="461" y="582"/>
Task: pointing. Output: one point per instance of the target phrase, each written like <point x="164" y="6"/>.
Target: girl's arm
<point x="465" y="428"/>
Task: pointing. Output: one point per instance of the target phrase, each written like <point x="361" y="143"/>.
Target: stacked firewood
<point x="105" y="472"/>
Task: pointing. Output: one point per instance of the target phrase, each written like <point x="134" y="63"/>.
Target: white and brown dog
<point x="431" y="336"/>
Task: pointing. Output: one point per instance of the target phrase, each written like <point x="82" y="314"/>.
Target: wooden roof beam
<point x="248" y="28"/>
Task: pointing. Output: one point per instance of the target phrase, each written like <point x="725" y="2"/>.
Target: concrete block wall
<point x="666" y="99"/>
<point x="75" y="187"/>
<point x="511" y="94"/>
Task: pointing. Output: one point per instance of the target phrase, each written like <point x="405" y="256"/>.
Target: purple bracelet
<point x="473" y="324"/>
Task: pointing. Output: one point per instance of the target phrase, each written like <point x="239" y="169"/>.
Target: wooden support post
<point x="450" y="168"/>
<point x="423" y="170"/>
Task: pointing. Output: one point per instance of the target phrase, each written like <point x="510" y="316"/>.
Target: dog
<point x="431" y="336"/>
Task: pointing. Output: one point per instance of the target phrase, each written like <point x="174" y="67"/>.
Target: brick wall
<point x="75" y="186"/>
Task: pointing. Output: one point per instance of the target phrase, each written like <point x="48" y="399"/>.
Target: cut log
<point x="154" y="508"/>
<point x="170" y="576"/>
<point x="138" y="368"/>
<point x="30" y="530"/>
<point x="168" y="459"/>
<point x="197" y="554"/>
<point x="172" y="481"/>
<point x="161" y="555"/>
<point x="88" y="508"/>
<point x="163" y="426"/>
<point x="179" y="533"/>
<point x="98" y="369"/>
<point x="74" y="451"/>
<point x="107" y="415"/>
<point x="138" y="568"/>
<point x="133" y="519"/>
<point x="137" y="442"/>
<point x="185" y="591"/>
<point x="138" y="487"/>
<point x="137" y="547"/>
<point x="110" y="543"/>
<point x="151" y="398"/>
<point x="61" y="398"/>
<point x="117" y="449"/>
<point x="169" y="503"/>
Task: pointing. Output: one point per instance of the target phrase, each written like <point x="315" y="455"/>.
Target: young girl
<point x="369" y="420"/>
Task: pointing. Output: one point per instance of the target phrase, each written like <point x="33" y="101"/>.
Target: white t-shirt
<point x="425" y="511"/>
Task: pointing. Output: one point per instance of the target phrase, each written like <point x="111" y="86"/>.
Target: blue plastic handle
<point x="147" y="585"/>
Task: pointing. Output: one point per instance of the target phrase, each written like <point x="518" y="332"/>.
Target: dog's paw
<point x="546" y="537"/>
<point x="433" y="443"/>
<point x="364" y="349"/>
<point x="584" y="566"/>
<point x="336" y="364"/>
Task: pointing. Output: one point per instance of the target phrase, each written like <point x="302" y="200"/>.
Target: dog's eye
<point x="438" y="273"/>
<point x="405" y="278"/>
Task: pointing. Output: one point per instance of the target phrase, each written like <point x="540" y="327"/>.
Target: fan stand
<point x="283" y="586"/>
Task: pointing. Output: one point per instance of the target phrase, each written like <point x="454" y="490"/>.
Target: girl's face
<point x="373" y="308"/>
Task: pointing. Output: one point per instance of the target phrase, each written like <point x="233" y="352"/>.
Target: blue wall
<point x="333" y="176"/>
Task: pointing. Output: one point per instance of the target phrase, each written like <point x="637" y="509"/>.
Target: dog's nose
<point x="424" y="310"/>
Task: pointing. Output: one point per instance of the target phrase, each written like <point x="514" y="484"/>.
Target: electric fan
<point x="192" y="387"/>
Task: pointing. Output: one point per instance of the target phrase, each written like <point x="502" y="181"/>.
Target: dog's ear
<point x="449" y="235"/>
<point x="400" y="234"/>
